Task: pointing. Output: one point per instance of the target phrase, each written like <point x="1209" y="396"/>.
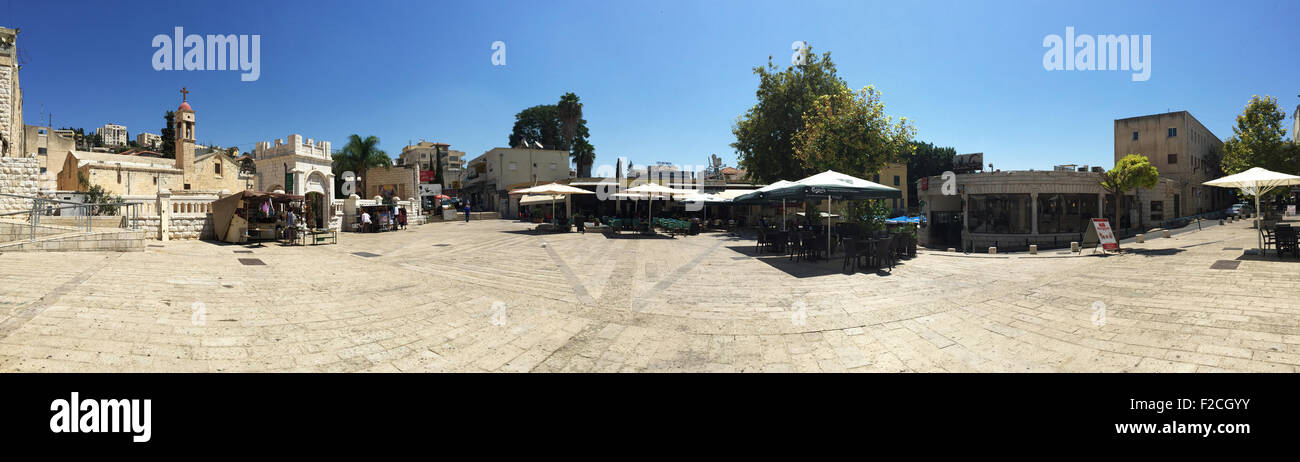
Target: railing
<point x="82" y="214"/>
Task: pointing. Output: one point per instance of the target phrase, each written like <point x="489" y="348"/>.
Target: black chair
<point x="884" y="255"/>
<point x="1286" y="241"/>
<point x="1268" y="237"/>
<point x="854" y="250"/>
<point x="762" y="240"/>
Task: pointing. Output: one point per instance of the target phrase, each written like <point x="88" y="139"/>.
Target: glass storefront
<point x="999" y="214"/>
<point x="1065" y="213"/>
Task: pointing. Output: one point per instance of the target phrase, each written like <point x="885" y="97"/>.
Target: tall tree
<point x="1257" y="139"/>
<point x="168" y="135"/>
<point x="1132" y="171"/>
<point x="765" y="134"/>
<point x="359" y="156"/>
<point x="556" y="126"/>
<point x="537" y="124"/>
<point x="572" y="125"/>
<point x="849" y="132"/>
<point x="927" y="160"/>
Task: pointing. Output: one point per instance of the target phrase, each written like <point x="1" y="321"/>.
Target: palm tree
<point x="570" y="115"/>
<point x="360" y="155"/>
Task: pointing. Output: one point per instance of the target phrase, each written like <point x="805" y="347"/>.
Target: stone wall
<point x="21" y="176"/>
<point x="180" y="227"/>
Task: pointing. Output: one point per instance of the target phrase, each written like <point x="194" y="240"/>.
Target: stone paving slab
<point x="490" y="295"/>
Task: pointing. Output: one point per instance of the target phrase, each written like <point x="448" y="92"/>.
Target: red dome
<point x="185" y="106"/>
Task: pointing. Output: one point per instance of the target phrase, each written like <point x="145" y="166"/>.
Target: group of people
<point x="368" y="222"/>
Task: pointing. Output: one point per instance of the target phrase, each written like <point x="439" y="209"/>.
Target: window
<point x="897" y="181"/>
<point x="187" y="186"/>
<point x="876" y="179"/>
<point x="1135" y="136"/>
<point x="1173" y="132"/>
<point x="217" y="168"/>
<point x="1065" y="213"/>
<point x="1173" y="159"/>
<point x="41" y="151"/>
<point x="43" y="170"/>
<point x="999" y="213"/>
<point x="1157" y="210"/>
<point x="512" y="166"/>
<point x="552" y="166"/>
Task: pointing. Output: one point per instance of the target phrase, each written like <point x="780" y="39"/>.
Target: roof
<point x="185" y="106"/>
<point x="729" y="171"/>
<point x="105" y="158"/>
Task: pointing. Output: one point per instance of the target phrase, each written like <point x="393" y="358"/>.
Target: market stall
<point x="248" y="216"/>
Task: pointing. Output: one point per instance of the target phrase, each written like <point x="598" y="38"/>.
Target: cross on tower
<point x="185" y="93"/>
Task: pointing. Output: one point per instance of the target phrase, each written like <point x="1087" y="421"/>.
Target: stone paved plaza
<point x="491" y="296"/>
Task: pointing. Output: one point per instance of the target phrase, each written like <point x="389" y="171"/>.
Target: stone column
<point x="1033" y="213"/>
<point x="164" y="214"/>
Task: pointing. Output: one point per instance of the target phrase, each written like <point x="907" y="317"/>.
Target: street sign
<point x="429" y="189"/>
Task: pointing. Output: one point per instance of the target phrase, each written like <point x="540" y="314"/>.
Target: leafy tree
<point x="537" y="124"/>
<point x="167" y="146"/>
<point x="1132" y="171"/>
<point x="104" y="202"/>
<point x="851" y="134"/>
<point x="1257" y="141"/>
<point x="927" y="160"/>
<point x="360" y="155"/>
<point x="765" y="134"/>
<point x="556" y="126"/>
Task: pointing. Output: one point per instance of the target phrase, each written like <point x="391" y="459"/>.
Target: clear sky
<point x="660" y="80"/>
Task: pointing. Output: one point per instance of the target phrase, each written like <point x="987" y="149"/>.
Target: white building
<point x="112" y="134"/>
<point x="299" y="167"/>
<point x="148" y="140"/>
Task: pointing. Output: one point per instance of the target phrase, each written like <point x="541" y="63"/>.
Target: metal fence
<point x="82" y="215"/>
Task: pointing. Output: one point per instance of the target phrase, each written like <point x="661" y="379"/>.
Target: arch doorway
<point x="315" y="190"/>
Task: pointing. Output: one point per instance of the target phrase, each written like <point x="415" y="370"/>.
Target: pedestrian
<point x="467" y="209"/>
<point x="365" y="222"/>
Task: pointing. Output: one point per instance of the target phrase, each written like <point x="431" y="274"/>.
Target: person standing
<point x="467" y="209"/>
<point x="365" y="222"/>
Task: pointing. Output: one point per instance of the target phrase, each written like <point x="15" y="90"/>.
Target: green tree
<point x="1132" y="171"/>
<point x="927" y="160"/>
<point x="1257" y="139"/>
<point x="359" y="156"/>
<point x="556" y="126"/>
<point x="104" y="202"/>
<point x="537" y="124"/>
<point x="849" y="132"/>
<point x="167" y="147"/>
<point x="765" y="134"/>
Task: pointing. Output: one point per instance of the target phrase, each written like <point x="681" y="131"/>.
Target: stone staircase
<point x="16" y="236"/>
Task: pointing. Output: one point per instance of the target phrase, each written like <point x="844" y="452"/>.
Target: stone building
<point x="1011" y="210"/>
<point x="11" y="96"/>
<point x="51" y="148"/>
<point x="196" y="171"/>
<point x="298" y="166"/>
<point x="490" y="174"/>
<point x="392" y="182"/>
<point x="1183" y="151"/>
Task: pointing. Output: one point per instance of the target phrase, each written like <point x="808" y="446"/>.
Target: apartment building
<point x="1182" y="150"/>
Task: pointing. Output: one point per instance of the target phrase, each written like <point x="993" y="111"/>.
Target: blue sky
<point x="660" y="80"/>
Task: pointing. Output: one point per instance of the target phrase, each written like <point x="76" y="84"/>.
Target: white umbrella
<point x="553" y="189"/>
<point x="1256" y="182"/>
<point x="832" y="183"/>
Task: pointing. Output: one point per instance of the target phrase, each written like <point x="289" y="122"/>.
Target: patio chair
<point x="884" y="255"/>
<point x="1286" y="241"/>
<point x="795" y="245"/>
<point x="762" y="240"/>
<point x="1268" y="237"/>
<point x="854" y="250"/>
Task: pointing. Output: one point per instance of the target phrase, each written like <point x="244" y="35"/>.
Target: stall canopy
<point x="1256" y="182"/>
<point x="223" y="209"/>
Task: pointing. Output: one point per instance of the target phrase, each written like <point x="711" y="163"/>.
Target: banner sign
<point x="432" y="189"/>
<point x="427" y="176"/>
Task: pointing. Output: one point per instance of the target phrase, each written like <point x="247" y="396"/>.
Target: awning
<point x="539" y="199"/>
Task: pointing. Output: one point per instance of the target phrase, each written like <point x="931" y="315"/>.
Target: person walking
<point x="467" y="209"/>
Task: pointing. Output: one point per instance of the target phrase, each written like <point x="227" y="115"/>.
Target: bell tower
<point x="184" y="132"/>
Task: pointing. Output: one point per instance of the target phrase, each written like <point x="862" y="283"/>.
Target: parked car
<point x="1240" y="209"/>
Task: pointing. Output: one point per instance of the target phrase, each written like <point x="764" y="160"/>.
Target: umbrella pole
<point x="828" y="227"/>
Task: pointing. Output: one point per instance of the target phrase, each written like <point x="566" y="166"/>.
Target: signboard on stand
<point x="1100" y="234"/>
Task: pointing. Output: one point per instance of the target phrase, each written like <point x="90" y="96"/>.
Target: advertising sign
<point x="1100" y="233"/>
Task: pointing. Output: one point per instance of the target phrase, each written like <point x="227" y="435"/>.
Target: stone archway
<point x="317" y="189"/>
